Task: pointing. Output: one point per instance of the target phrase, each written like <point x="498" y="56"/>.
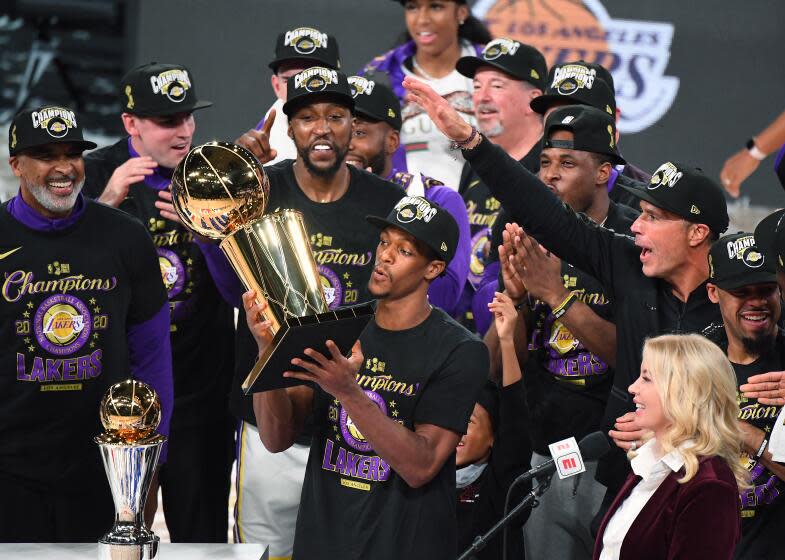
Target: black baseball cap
<point x="424" y="220"/>
<point x="519" y="60"/>
<point x="375" y="101"/>
<point x="687" y="192"/>
<point x="45" y="125"/>
<point x="578" y="82"/>
<point x="779" y="166"/>
<point x="154" y="90"/>
<point x="317" y="81"/>
<point x="306" y="43"/>
<point x="592" y="130"/>
<point x="770" y="237"/>
<point x="735" y="261"/>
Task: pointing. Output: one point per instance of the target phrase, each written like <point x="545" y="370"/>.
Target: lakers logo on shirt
<point x="172" y="271"/>
<point x="62" y="324"/>
<point x="351" y="434"/>
<point x="478" y="256"/>
<point x="333" y="291"/>
<point x="561" y="339"/>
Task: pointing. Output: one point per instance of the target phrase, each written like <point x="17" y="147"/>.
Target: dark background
<point x="726" y="54"/>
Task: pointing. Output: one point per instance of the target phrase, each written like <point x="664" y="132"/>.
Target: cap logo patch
<point x="570" y="78"/>
<point x="360" y="85"/>
<point x="173" y="84"/>
<point x="753" y="258"/>
<point x="129" y="95"/>
<point x="443" y="246"/>
<point x="411" y="208"/>
<point x="694" y="210"/>
<point x="390" y="113"/>
<point x="711" y="267"/>
<point x="315" y="79"/>
<point x="500" y="47"/>
<point x="568" y="119"/>
<point x="55" y="120"/>
<point x="305" y="40"/>
<point x="612" y="135"/>
<point x="533" y="73"/>
<point x="667" y="174"/>
<point x="737" y="247"/>
<point x="13" y="137"/>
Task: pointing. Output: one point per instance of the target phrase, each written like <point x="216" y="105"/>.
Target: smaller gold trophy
<point x="130" y="413"/>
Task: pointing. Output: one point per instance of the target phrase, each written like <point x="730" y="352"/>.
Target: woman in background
<point x="439" y="32"/>
<point x="681" y="500"/>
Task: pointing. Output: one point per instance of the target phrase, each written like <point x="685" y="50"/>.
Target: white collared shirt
<point x="653" y="471"/>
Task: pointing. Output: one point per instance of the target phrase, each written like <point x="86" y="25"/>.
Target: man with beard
<point x="334" y="199"/>
<point x="507" y="77"/>
<point x="381" y="471"/>
<point x="134" y="175"/>
<point x="82" y="308"/>
<point x="743" y="282"/>
<point x="375" y="138"/>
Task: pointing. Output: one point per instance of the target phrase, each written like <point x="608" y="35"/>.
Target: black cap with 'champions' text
<point x="426" y="221"/>
<point x="46" y="125"/>
<point x="736" y="261"/>
<point x="688" y="193"/>
<point x="770" y="237"/>
<point x="592" y="130"/>
<point x="375" y="101"/>
<point x="306" y="43"/>
<point x="519" y="60"/>
<point x="317" y="81"/>
<point x="578" y="83"/>
<point x="156" y="90"/>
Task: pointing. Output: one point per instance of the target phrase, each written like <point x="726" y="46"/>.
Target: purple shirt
<point x="446" y="290"/>
<point x="161" y="177"/>
<point x="149" y="348"/>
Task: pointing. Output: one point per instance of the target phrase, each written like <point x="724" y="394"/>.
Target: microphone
<point x="592" y="447"/>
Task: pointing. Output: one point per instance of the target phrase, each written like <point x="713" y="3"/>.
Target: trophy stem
<point x="129" y="468"/>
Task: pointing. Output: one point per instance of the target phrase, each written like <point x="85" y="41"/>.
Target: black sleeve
<point x="449" y="397"/>
<point x="512" y="449"/>
<point x="97" y="175"/>
<point x="529" y="202"/>
<point x="148" y="293"/>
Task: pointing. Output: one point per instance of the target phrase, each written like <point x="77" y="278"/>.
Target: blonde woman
<point x="682" y="499"/>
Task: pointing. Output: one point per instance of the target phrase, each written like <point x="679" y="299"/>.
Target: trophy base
<point x="343" y="326"/>
<point x="129" y="551"/>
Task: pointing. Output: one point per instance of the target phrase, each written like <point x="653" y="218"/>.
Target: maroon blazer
<point x="696" y="520"/>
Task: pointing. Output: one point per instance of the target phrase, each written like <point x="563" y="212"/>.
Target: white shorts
<point x="268" y="493"/>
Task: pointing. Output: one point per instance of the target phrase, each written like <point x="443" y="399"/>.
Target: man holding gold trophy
<point x="333" y="199"/>
<point x="82" y="307"/>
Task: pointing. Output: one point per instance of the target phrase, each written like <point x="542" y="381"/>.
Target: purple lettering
<point x="351" y="464"/>
<point x="328" y="452"/>
<point x="69" y="369"/>
<point x="340" y="460"/>
<point x="53" y="370"/>
<point x="364" y="467"/>
<point x="83" y="367"/>
<point x="21" y="374"/>
<point x="373" y="468"/>
<point x="384" y="470"/>
<point x="95" y="361"/>
<point x="38" y="370"/>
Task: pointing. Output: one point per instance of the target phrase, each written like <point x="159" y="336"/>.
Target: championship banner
<point x="636" y="52"/>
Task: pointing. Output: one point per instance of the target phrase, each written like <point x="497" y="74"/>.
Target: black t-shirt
<point x="343" y="243"/>
<point x="68" y="298"/>
<point x="762" y="505"/>
<point x="202" y="323"/>
<point x="353" y="504"/>
<point x="484" y="211"/>
<point x="567" y="386"/>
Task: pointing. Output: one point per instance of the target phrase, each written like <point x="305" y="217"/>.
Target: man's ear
<point x="435" y="268"/>
<point x="698" y="234"/>
<point x="13" y="161"/>
<point x="391" y="141"/>
<point x="711" y="289"/>
<point x="289" y="131"/>
<point x="603" y="173"/>
<point x="129" y="122"/>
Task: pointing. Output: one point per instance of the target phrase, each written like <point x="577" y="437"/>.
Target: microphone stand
<point x="480" y="541"/>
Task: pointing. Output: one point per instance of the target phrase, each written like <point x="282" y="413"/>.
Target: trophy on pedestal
<point x="220" y="191"/>
<point x="130" y="413"/>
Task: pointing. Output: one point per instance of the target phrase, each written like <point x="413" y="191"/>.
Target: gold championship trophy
<point x="220" y="191"/>
<point x="130" y="413"/>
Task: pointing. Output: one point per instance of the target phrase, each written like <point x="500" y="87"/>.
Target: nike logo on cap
<point x="9" y="253"/>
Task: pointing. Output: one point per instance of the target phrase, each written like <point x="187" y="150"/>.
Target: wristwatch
<point x="754" y="150"/>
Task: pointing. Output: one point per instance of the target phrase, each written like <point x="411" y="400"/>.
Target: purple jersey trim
<point x="25" y="214"/>
<point x="227" y="282"/>
<point x="150" y="355"/>
<point x="161" y="177"/>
